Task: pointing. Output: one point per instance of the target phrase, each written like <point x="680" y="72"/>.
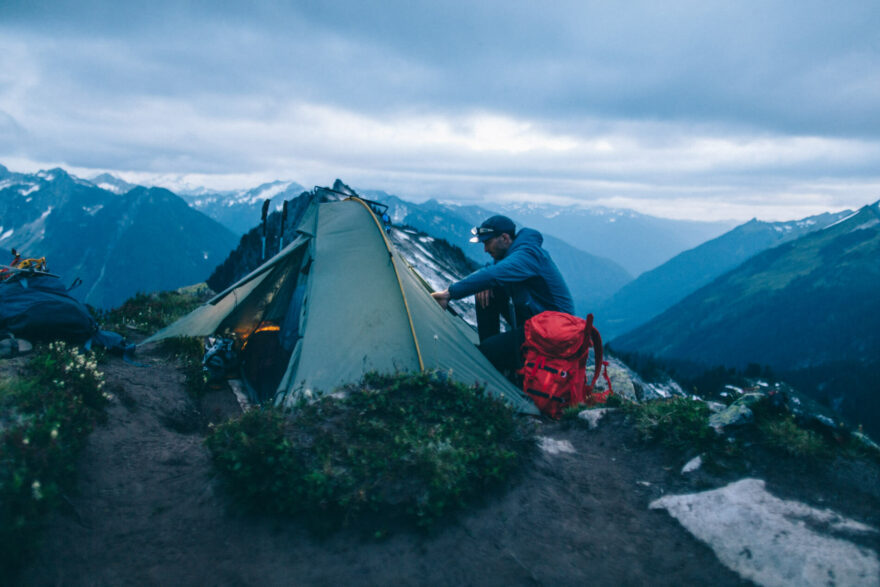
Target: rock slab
<point x="774" y="542"/>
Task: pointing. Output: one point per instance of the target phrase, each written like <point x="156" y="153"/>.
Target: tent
<point x="337" y="302"/>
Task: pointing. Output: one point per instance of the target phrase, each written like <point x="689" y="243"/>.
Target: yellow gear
<point x="32" y="264"/>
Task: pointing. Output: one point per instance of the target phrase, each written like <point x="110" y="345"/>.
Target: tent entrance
<point x="266" y="326"/>
<point x="263" y="361"/>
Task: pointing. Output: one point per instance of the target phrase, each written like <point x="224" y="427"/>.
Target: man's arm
<point x="514" y="268"/>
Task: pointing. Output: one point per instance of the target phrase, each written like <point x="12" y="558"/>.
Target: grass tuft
<point x="676" y="422"/>
<point x="785" y="435"/>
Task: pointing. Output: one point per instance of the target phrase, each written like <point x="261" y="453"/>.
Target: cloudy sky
<point x="682" y="109"/>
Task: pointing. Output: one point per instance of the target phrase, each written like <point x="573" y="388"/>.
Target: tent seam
<point x="399" y="282"/>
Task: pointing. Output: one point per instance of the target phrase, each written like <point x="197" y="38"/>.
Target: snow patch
<point x="110" y="188"/>
<point x="6" y="234"/>
<point x="31" y="189"/>
<point x="266" y="193"/>
<point x="844" y="219"/>
<point x="92" y="210"/>
<point x="774" y="542"/>
<point x="869" y="224"/>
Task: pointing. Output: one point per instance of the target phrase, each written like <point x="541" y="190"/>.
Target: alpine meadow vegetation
<point x="414" y="445"/>
<point x="46" y="414"/>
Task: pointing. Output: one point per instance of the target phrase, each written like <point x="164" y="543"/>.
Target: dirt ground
<point x="149" y="510"/>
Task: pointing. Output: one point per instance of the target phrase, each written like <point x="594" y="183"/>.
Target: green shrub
<point x="780" y="431"/>
<point x="45" y="417"/>
<point x="676" y="422"/>
<point x="783" y="434"/>
<point x="415" y="444"/>
<point x="148" y="313"/>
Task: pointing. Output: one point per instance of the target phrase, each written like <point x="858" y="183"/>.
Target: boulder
<point x="736" y="414"/>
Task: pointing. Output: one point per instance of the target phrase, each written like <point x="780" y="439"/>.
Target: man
<point x="521" y="283"/>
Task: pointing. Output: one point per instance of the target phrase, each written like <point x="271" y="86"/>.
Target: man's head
<point x="496" y="234"/>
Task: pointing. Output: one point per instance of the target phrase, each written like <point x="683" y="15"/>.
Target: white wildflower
<point x="36" y="491"/>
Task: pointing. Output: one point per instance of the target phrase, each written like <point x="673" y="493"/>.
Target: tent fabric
<point x="363" y="309"/>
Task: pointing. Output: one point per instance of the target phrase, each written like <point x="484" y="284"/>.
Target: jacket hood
<point x="526" y="237"/>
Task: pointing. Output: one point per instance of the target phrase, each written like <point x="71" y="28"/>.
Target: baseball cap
<point x="491" y="228"/>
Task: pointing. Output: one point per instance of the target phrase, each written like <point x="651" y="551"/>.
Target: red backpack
<point x="555" y="355"/>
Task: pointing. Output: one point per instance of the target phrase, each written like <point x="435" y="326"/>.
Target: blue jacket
<point x="527" y="271"/>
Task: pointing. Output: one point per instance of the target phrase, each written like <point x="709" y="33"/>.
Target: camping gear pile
<point x="36" y="306"/>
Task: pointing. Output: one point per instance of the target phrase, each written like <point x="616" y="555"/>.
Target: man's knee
<point x="489" y="318"/>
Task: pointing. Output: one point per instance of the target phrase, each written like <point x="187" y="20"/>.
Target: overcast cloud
<point x="682" y="109"/>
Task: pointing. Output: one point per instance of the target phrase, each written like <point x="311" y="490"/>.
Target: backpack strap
<point x="595" y="340"/>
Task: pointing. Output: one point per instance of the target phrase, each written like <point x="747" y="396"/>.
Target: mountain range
<point x="635" y="241"/>
<point x="146" y="239"/>
<point x="237" y="210"/>
<point x="806" y="307"/>
<point x="240" y="210"/>
<point x="655" y="290"/>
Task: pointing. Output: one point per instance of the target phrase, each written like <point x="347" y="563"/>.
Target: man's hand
<point x="442" y="298"/>
<point x="483" y="297"/>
